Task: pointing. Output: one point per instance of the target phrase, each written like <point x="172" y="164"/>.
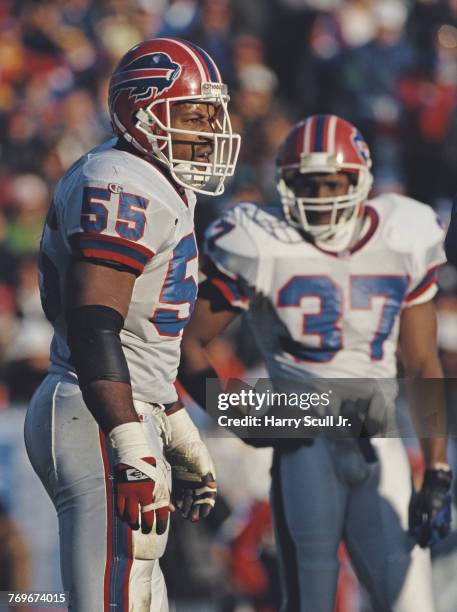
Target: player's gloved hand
<point x="140" y="481"/>
<point x="367" y="405"/>
<point x="430" y="508"/>
<point x="194" y="476"/>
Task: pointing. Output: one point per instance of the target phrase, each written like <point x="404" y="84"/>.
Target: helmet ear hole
<point x="353" y="178"/>
<point x="143" y="116"/>
<point x="289" y="177"/>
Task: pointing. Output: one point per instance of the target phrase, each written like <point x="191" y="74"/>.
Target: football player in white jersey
<point x="118" y="279"/>
<point x="330" y="284"/>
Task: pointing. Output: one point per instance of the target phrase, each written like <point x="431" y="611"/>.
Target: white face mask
<point x="202" y="177"/>
<point x="338" y="233"/>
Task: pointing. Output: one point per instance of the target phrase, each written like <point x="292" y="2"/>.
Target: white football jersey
<point x="319" y="314"/>
<point x="114" y="206"/>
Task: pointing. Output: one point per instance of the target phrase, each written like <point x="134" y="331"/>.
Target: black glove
<point x="430" y="508"/>
<point x="195" y="496"/>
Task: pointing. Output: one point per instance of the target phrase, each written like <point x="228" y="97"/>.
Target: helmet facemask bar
<point x="203" y="177"/>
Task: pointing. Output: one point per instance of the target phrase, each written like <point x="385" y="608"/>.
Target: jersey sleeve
<point x="427" y="257"/>
<point x="112" y="221"/>
<point x="231" y="261"/>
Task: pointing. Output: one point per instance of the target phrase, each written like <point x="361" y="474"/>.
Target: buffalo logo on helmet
<point x="361" y="146"/>
<point x="146" y="76"/>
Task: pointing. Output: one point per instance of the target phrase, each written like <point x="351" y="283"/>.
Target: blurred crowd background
<point x="389" y="66"/>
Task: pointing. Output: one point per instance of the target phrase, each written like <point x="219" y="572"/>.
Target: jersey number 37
<point x="325" y="324"/>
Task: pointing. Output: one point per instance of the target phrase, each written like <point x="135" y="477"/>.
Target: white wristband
<point x="187" y="452"/>
<point x="440" y="465"/>
<point x="129" y="442"/>
<point x="182" y="429"/>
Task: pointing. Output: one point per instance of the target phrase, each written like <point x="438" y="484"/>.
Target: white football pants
<point x="105" y="565"/>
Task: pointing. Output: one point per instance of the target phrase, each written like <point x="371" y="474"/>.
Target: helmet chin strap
<point x="191" y="175"/>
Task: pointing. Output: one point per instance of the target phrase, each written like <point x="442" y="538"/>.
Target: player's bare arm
<point x="195" y="366"/>
<point x="430" y="510"/>
<point x="211" y="316"/>
<point x="108" y="393"/>
<point x="419" y="355"/>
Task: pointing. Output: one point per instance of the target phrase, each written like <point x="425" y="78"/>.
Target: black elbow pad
<point x="95" y="344"/>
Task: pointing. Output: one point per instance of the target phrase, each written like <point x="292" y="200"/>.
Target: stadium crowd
<point x="388" y="66"/>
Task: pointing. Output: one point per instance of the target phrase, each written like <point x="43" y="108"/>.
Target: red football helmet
<point x="150" y="78"/>
<point x="325" y="144"/>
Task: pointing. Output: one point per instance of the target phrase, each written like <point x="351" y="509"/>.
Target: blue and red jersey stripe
<point x="96" y="246"/>
<point x="429" y="279"/>
<point x="231" y="291"/>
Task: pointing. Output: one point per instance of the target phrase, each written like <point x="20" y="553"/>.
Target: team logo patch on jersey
<point x="147" y="76"/>
<point x="115" y="188"/>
